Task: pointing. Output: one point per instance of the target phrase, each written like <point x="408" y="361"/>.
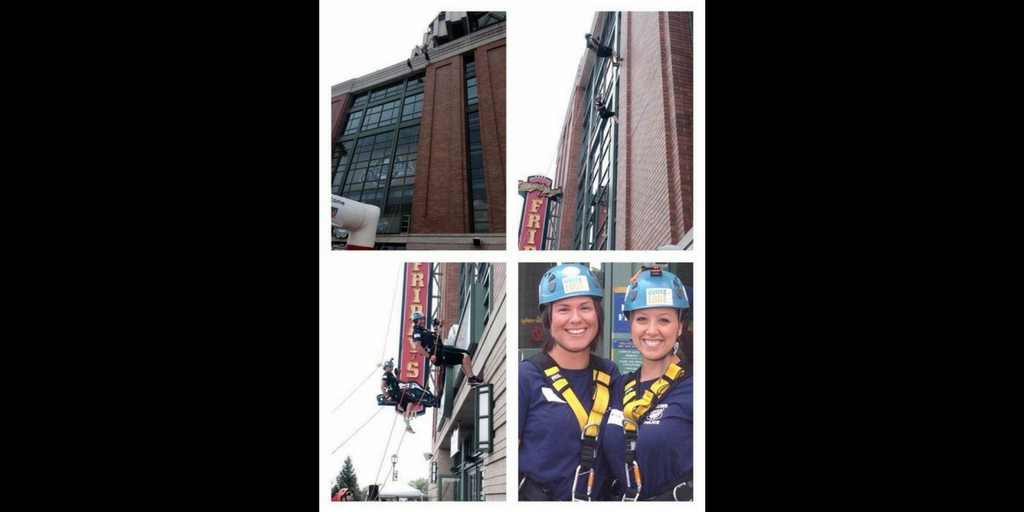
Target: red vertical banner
<point x="533" y="222"/>
<point x="416" y="297"/>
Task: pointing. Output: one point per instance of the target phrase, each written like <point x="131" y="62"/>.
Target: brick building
<point x="629" y="185"/>
<point x="470" y="435"/>
<point x="424" y="140"/>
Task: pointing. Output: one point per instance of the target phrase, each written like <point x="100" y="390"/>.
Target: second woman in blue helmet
<point x="653" y="447"/>
<point x="564" y="393"/>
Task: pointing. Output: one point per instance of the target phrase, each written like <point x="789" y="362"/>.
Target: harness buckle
<point x="688" y="484"/>
<point x="583" y="433"/>
<point x="629" y="494"/>
<point x="576" y="480"/>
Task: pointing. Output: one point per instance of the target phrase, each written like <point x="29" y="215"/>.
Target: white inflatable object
<point x="359" y="219"/>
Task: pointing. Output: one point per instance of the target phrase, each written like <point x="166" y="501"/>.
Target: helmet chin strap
<point x="664" y="360"/>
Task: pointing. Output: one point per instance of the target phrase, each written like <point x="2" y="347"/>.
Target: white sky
<point x="359" y="328"/>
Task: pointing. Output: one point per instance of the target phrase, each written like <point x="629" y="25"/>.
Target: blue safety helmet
<point x="390" y="363"/>
<point x="569" y="280"/>
<point x="416" y="315"/>
<point x="655" y="288"/>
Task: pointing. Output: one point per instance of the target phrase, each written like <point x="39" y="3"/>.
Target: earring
<point x="675" y="349"/>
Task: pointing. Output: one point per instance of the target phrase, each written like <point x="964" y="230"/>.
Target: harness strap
<point x="634" y="410"/>
<point x="590" y="424"/>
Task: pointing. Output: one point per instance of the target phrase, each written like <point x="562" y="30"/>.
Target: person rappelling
<point x="427" y="342"/>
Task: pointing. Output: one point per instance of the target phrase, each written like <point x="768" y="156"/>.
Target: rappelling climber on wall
<point x="602" y="110"/>
<point x="426" y="341"/>
<point x="594" y="43"/>
<point x="389" y="386"/>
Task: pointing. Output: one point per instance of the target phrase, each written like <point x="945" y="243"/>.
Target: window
<point x="342" y="151"/>
<point x="413" y="108"/>
<point x="398" y="208"/>
<point x="479" y="20"/>
<point x="475" y="159"/>
<point x="385" y="92"/>
<point x="374" y="159"/>
<point x="364" y="181"/>
<point x="471" y="91"/>
<point x="416" y="83"/>
<point x="353" y="122"/>
<point x="381" y="115"/>
<point x="594" y="210"/>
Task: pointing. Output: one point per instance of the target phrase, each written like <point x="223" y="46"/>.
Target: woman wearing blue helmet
<point x="654" y="447"/>
<point x="564" y="393"/>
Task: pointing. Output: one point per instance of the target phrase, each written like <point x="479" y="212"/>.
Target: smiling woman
<point x="632" y="320"/>
<point x="564" y="392"/>
<point x="656" y="439"/>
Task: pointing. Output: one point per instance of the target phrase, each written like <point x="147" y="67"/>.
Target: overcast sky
<point x="359" y="328"/>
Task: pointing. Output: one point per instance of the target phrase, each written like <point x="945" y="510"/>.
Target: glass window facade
<point x="413" y="108"/>
<point x="381" y="115"/>
<point x="374" y="160"/>
<point x="594" y="210"/>
<point x="477" y="185"/>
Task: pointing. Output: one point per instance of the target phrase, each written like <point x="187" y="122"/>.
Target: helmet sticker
<point x="571" y="271"/>
<point x="575" y="284"/>
<point x="659" y="297"/>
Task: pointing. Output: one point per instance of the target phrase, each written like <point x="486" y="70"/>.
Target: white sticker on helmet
<point x="659" y="297"/>
<point x="575" y="284"/>
<point x="571" y="271"/>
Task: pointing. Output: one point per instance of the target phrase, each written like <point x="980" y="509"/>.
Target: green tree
<point x="347" y="479"/>
<point x="421" y="484"/>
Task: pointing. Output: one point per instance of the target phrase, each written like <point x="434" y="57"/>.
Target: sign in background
<point x="411" y="367"/>
<point x="626" y="356"/>
<point x="531" y="332"/>
<point x="620" y="325"/>
<point x="533" y="223"/>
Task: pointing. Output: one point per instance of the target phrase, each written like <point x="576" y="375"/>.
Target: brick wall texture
<point x="490" y="78"/>
<point x="441" y="196"/>
<point x="567" y="167"/>
<point x="339" y="108"/>
<point x="655" y="165"/>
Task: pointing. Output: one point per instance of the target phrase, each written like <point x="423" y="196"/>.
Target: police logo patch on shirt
<point x="659" y="297"/>
<point x="575" y="284"/>
<point x="416" y="336"/>
<point x="656" y="414"/>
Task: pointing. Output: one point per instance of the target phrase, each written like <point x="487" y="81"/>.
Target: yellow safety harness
<point x="590" y="424"/>
<point x="634" y="410"/>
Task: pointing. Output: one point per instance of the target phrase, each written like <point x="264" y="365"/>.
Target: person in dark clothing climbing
<point x="602" y="110"/>
<point x="594" y="43"/>
<point x="389" y="386"/>
<point x="426" y="341"/>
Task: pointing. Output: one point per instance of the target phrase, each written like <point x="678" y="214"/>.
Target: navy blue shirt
<point x="549" y="434"/>
<point x="390" y="384"/>
<point x="664" y="443"/>
<point x="425" y="338"/>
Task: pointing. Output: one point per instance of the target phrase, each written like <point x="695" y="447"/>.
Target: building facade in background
<point x="629" y="184"/>
<point x="617" y="344"/>
<point x="467" y="460"/>
<point x="424" y="140"/>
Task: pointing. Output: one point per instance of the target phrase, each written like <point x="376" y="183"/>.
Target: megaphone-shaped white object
<point x="359" y="219"/>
